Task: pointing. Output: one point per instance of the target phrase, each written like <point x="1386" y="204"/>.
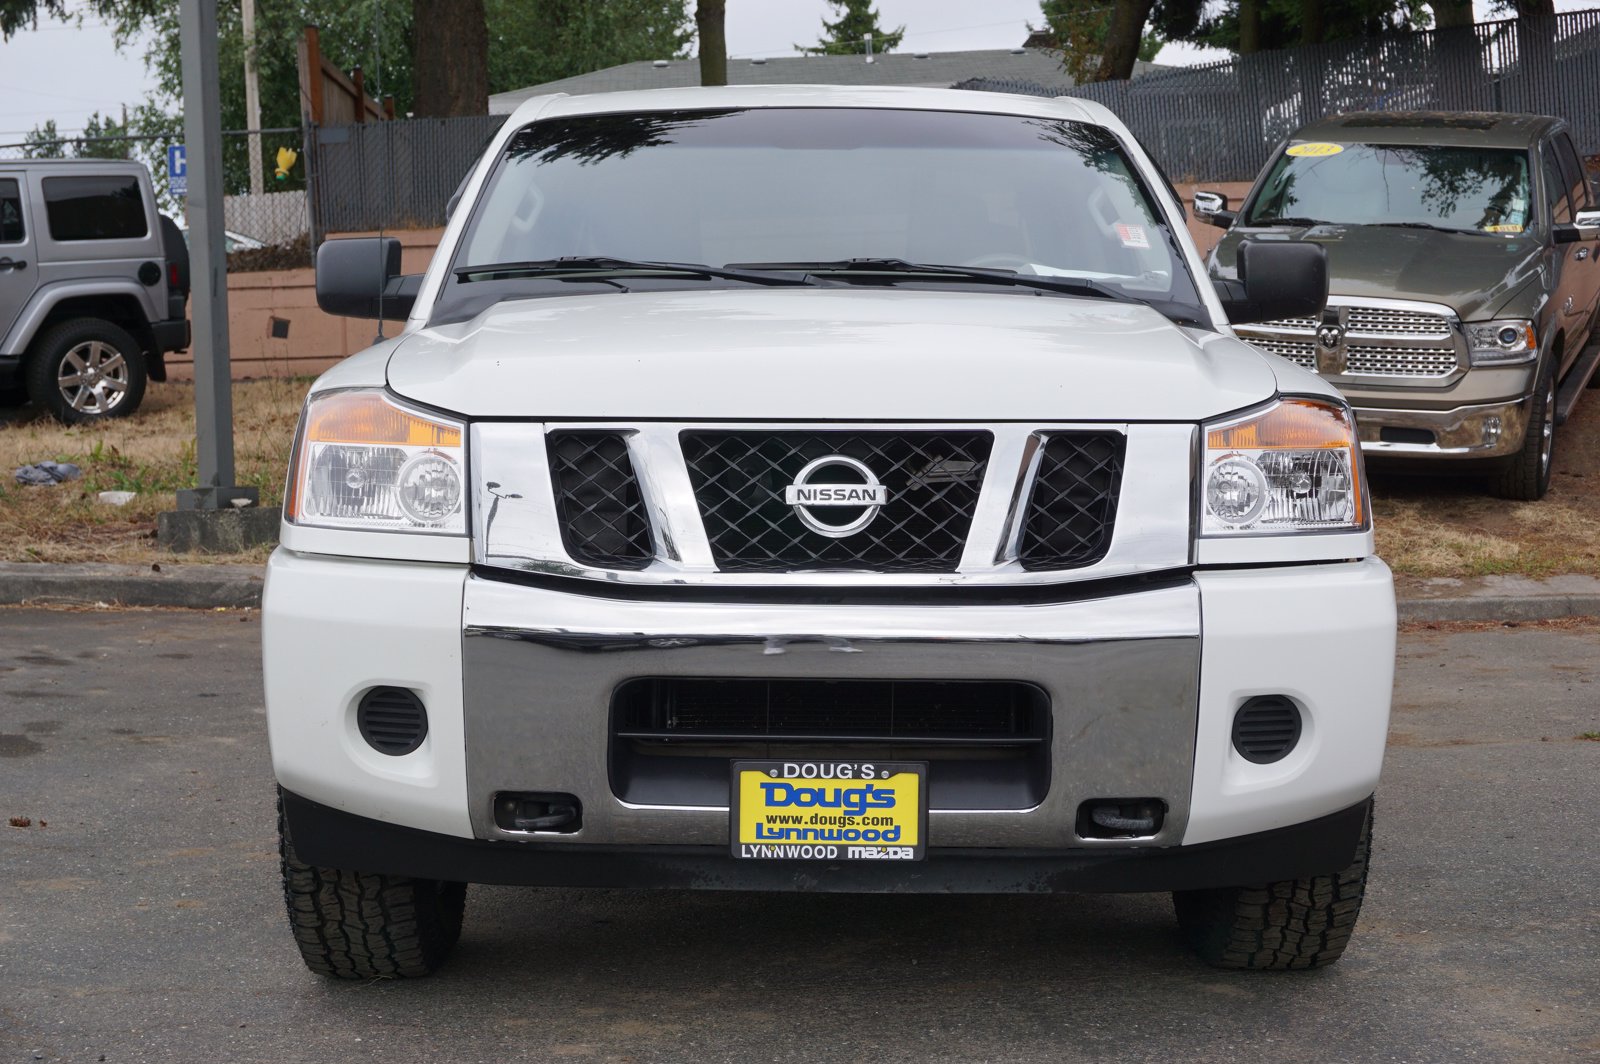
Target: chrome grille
<point x="1378" y="321"/>
<point x="933" y="480"/>
<point x="1370" y="361"/>
<point x="1301" y="353"/>
<point x="1400" y="341"/>
<point x="1073" y="508"/>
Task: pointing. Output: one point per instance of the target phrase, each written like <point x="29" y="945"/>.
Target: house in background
<point x="1034" y="71"/>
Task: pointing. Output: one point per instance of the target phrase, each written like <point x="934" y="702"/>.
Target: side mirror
<point x="1586" y="226"/>
<point x="1277" y="279"/>
<point x="361" y="278"/>
<point x="1212" y="208"/>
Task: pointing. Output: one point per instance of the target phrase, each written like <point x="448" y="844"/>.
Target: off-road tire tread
<point x="361" y="925"/>
<point x="39" y="374"/>
<point x="1518" y="477"/>
<point x="1294" y="923"/>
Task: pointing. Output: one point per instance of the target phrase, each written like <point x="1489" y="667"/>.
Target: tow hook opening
<point x="1120" y="818"/>
<point x="538" y="811"/>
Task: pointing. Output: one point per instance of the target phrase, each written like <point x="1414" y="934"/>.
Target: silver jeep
<point x="93" y="283"/>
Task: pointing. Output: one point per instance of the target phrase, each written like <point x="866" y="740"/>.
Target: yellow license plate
<point x="830" y="810"/>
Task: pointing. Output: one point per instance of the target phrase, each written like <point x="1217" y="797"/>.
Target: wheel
<point x="1295" y="923"/>
<point x="359" y="925"/>
<point x="1525" y="476"/>
<point x="86" y="369"/>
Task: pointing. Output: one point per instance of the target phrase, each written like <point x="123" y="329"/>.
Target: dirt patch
<point x="151" y="453"/>
<point x="1448" y="526"/>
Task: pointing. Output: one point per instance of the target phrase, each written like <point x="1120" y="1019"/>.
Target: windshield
<point x="1474" y="189"/>
<point x="786" y="188"/>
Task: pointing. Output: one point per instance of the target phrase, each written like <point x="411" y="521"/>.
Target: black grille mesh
<point x="865" y="709"/>
<point x="1073" y="507"/>
<point x="933" y="480"/>
<point x="603" y="519"/>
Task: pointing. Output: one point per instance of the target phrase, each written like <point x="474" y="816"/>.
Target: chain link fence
<point x="266" y="211"/>
<point x="392" y="175"/>
<point x="1221" y="121"/>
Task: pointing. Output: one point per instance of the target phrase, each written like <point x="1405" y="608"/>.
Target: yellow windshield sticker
<point x="1315" y="149"/>
<point x="1506" y="227"/>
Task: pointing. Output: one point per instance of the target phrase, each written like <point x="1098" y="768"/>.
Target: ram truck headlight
<point x="1294" y="466"/>
<point x="364" y="461"/>
<point x="1502" y="343"/>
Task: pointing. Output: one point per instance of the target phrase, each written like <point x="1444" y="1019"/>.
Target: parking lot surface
<point x="141" y="920"/>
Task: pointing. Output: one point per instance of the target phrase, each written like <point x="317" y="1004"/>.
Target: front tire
<point x="86" y="370"/>
<point x="1294" y="923"/>
<point x="1525" y="476"/>
<point x="360" y="925"/>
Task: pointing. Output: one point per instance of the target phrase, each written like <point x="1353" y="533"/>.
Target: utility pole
<point x="252" y="96"/>
<point x="213" y="377"/>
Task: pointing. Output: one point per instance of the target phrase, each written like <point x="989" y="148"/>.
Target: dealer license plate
<point x="830" y="810"/>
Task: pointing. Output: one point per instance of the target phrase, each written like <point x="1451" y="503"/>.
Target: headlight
<point x="1502" y="343"/>
<point x="1293" y="467"/>
<point x="364" y="461"/>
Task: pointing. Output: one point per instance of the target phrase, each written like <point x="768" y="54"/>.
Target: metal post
<point x="252" y="99"/>
<point x="213" y="378"/>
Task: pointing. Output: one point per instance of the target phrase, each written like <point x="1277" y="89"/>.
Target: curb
<point x="200" y="587"/>
<point x="206" y="587"/>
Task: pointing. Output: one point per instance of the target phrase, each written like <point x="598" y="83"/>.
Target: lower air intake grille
<point x="933" y="479"/>
<point x="1073" y="508"/>
<point x="1266" y="728"/>
<point x="603" y="519"/>
<point x="392" y="720"/>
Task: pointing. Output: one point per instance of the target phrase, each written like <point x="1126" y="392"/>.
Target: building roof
<point x="934" y="70"/>
<point x="1479" y="129"/>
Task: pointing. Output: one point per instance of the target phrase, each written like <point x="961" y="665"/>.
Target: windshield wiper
<point x="1422" y="225"/>
<point x="1082" y="286"/>
<point x="1287" y="220"/>
<point x="581" y="264"/>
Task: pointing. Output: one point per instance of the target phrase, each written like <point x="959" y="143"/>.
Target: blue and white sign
<point x="177" y="170"/>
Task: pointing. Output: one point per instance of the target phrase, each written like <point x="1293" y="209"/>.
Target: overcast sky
<point x="62" y="72"/>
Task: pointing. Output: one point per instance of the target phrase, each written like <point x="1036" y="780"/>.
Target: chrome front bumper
<point x="1122" y="674"/>
<point x="1491" y="430"/>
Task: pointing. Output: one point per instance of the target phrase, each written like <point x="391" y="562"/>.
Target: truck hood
<point x="1473" y="273"/>
<point x="813" y="354"/>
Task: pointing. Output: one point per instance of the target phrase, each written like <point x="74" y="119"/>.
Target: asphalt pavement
<point x="140" y="916"/>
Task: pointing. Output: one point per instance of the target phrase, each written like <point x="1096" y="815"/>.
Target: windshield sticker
<point x="1506" y="227"/>
<point x="1314" y="149"/>
<point x="1132" y="236"/>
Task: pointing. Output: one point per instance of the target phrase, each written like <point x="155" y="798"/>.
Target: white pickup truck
<point x="807" y="488"/>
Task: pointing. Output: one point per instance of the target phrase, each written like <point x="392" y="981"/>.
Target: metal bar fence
<point x="1221" y="121"/>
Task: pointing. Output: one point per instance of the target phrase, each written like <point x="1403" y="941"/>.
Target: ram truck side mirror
<point x="1277" y="279"/>
<point x="360" y="278"/>
<point x="1586" y="226"/>
<point x="1212" y="208"/>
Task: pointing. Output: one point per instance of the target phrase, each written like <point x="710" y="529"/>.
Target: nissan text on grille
<point x="702" y="526"/>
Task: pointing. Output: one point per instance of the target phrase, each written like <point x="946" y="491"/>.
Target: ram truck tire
<point x="358" y="925"/>
<point x="1525" y="476"/>
<point x="85" y="370"/>
<point x="1294" y="923"/>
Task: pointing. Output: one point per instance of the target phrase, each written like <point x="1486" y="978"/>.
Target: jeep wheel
<point x="358" y="925"/>
<point x="1525" y="476"/>
<point x="1295" y="923"/>
<point x="86" y="369"/>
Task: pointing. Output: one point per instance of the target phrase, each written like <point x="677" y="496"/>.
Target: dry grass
<point x="152" y="453"/>
<point x="1431" y="526"/>
<point x="1439" y="526"/>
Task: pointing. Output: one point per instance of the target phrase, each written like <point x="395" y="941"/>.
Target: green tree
<point x="847" y="34"/>
<point x="554" y="39"/>
<point x="44" y="142"/>
<point x="102" y="138"/>
<point x="1246" y="26"/>
<point x="1079" y="28"/>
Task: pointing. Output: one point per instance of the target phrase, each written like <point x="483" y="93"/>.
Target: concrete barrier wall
<point x="314" y="341"/>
